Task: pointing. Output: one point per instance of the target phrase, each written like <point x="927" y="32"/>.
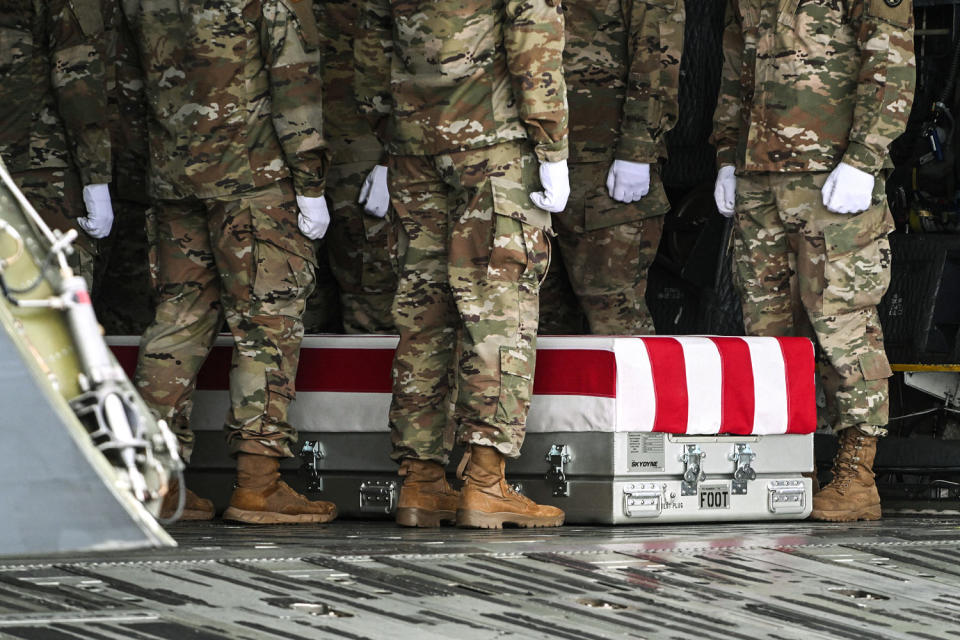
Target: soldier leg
<point x="423" y="312"/>
<point x="496" y="264"/>
<point x="608" y="247"/>
<point x="187" y="317"/>
<point x="764" y="265"/>
<point x="124" y="300"/>
<point x="843" y="271"/>
<point x="57" y="195"/>
<point x="560" y="312"/>
<point x="266" y="271"/>
<point x="359" y="256"/>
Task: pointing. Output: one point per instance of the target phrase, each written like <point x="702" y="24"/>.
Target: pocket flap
<point x="303" y="10"/>
<point x="513" y="362"/>
<point x="875" y="366"/>
<point x="512" y="199"/>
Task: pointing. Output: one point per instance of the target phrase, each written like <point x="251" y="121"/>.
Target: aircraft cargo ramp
<point x="898" y="578"/>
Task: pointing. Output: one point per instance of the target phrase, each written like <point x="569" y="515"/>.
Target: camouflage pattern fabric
<point x="472" y="252"/>
<point x="241" y="258"/>
<point x="803" y="270"/>
<point x="356" y="243"/>
<point x="622" y="67"/>
<point x="256" y="67"/>
<point x="359" y="255"/>
<point x="53" y="111"/>
<point x="57" y="195"/>
<point x="53" y="104"/>
<point x="452" y="75"/>
<point x="607" y="248"/>
<point x="560" y="312"/>
<point x="123" y="297"/>
<point x="807" y="84"/>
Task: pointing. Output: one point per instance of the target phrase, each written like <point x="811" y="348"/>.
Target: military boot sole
<point x="872" y="512"/>
<point x="271" y="517"/>
<point x="425" y="518"/>
<point x="495" y="520"/>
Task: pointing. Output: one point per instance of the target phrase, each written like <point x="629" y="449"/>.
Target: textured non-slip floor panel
<point x="899" y="578"/>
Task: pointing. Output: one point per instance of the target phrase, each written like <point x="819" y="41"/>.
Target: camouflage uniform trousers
<point x="357" y="247"/>
<point x="472" y="251"/>
<point x="123" y="299"/>
<point x="607" y="248"/>
<point x="241" y="258"/>
<point x="57" y="195"/>
<point x="803" y="270"/>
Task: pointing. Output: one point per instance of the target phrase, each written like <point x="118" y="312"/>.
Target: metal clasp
<point x="786" y="496"/>
<point x="558" y="456"/>
<point x="378" y="496"/>
<point x="742" y="455"/>
<point x="691" y="458"/>
<point x="312" y="453"/>
<point x="641" y="500"/>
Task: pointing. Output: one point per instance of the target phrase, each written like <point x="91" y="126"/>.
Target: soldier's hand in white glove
<point x="725" y="190"/>
<point x="847" y="189"/>
<point x="628" y="181"/>
<point x="99" y="219"/>
<point x="556" y="187"/>
<point x="314" y="216"/>
<point x="374" y="194"/>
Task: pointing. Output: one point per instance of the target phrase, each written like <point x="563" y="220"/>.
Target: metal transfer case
<point x="621" y="429"/>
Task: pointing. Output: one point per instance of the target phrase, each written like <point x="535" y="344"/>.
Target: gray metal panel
<point x="51" y="498"/>
<point x="891" y="580"/>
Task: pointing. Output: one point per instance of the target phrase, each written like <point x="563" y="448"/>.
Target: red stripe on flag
<point x="581" y="372"/>
<point x="576" y="372"/>
<point x="801" y="384"/>
<point x="127" y="357"/>
<point x="669" y="384"/>
<point x="737" y="402"/>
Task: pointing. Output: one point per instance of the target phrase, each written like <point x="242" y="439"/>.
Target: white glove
<point x="374" y="194"/>
<point x="847" y="190"/>
<point x="556" y="187"/>
<point x="725" y="190"/>
<point x="628" y="181"/>
<point x="99" y="219"/>
<point x="314" y="217"/>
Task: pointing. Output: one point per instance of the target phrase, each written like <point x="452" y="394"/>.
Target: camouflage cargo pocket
<point x="856" y="272"/>
<point x="281" y="281"/>
<point x="516" y="385"/>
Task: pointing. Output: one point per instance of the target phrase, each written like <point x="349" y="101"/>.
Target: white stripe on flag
<point x="770" y="386"/>
<point x="704" y="385"/>
<point x="636" y="400"/>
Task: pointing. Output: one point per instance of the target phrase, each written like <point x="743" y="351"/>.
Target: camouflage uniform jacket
<point x="452" y="75"/>
<point x="622" y="68"/>
<point x="810" y="83"/>
<point x="234" y="91"/>
<point x="348" y="132"/>
<point x="53" y="100"/>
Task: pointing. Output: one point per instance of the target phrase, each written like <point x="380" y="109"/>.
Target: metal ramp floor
<point x="899" y="578"/>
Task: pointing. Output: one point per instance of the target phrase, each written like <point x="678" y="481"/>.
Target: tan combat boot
<point x="194" y="507"/>
<point x="261" y="497"/>
<point x="426" y="500"/>
<point x="852" y="494"/>
<point x="488" y="502"/>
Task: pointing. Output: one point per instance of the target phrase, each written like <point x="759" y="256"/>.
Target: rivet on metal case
<point x="558" y="456"/>
<point x="312" y="453"/>
<point x="693" y="474"/>
<point x="642" y="500"/>
<point x="378" y="496"/>
<point x="742" y="456"/>
<point x="785" y="496"/>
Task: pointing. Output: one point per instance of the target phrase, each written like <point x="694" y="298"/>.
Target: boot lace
<point x="846" y="462"/>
